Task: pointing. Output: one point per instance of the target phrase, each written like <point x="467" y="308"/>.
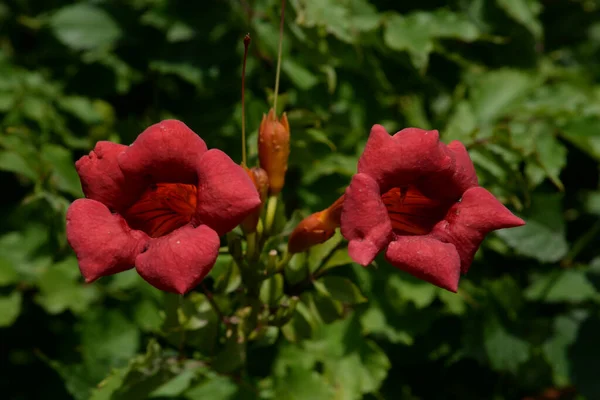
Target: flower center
<point x="162" y="208"/>
<point x="411" y="212"/>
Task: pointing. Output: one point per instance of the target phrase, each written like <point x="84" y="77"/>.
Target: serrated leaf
<point x="84" y="27"/>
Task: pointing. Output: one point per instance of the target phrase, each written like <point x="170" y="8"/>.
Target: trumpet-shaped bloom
<point x="419" y="201"/>
<point x="159" y="204"/>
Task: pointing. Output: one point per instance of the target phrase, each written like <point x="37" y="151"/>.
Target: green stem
<point x="182" y="327"/>
<point x="277" y="74"/>
<point x="250" y="245"/>
<point x="287" y="256"/>
<point x="270" y="215"/>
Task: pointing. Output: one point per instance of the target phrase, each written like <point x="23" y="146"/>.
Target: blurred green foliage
<point x="517" y="81"/>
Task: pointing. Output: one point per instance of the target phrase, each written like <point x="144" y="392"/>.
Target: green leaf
<point x="584" y="133"/>
<point x="524" y="12"/>
<point x="144" y="374"/>
<point x="14" y="162"/>
<point x="374" y="322"/>
<point x="462" y="123"/>
<point x="344" y="20"/>
<point x="62" y="168"/>
<point x="271" y="290"/>
<point x="493" y="94"/>
<point x="302" y="384"/>
<point x="416" y="32"/>
<point x="543" y="236"/>
<point x="300" y="76"/>
<point x="569" y="286"/>
<point x="214" y="387"/>
<point x="407" y="288"/>
<point x="226" y="274"/>
<point x="60" y="289"/>
<point x="339" y="258"/>
<point x="505" y="351"/>
<point x="109" y="339"/>
<point x="8" y="273"/>
<point x="341" y="289"/>
<point x="319" y="253"/>
<point x="10" y="308"/>
<point x="584" y="355"/>
<point x="84" y="27"/>
<point x="556" y="348"/>
<point x="175" y="386"/>
<point x="81" y="107"/>
<point x="186" y="72"/>
<point x="301" y="325"/>
<point x="296" y="270"/>
<point x="552" y="156"/>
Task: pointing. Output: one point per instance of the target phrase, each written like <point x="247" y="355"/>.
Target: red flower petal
<point x="225" y="192"/>
<point x="411" y="212"/>
<point x="402" y="159"/>
<point x="180" y="260"/>
<point x="165" y="152"/>
<point x="103" y="180"/>
<point x="426" y="258"/>
<point x="102" y="241"/>
<point x="469" y="221"/>
<point x="365" y="221"/>
<point x="452" y="183"/>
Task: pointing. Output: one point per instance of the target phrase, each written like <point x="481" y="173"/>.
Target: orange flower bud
<point x="259" y="178"/>
<point x="274" y="149"/>
<point x="316" y="228"/>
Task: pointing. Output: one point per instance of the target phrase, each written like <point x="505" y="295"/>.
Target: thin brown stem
<point x="279" y="57"/>
<point x="246" y="45"/>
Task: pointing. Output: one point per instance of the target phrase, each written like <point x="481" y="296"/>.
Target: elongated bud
<point x="274" y="149"/>
<point x="316" y="228"/>
<point x="261" y="183"/>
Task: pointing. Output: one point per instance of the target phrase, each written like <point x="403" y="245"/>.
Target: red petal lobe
<point x="225" y="192"/>
<point x="426" y="258"/>
<point x="180" y="260"/>
<point x="364" y="220"/>
<point x="102" y="241"/>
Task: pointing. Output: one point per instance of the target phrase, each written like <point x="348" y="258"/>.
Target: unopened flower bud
<point x="274" y="149"/>
<point x="259" y="178"/>
<point x="316" y="228"/>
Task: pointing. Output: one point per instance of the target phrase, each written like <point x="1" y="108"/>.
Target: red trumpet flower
<point x="419" y="200"/>
<point x="159" y="205"/>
